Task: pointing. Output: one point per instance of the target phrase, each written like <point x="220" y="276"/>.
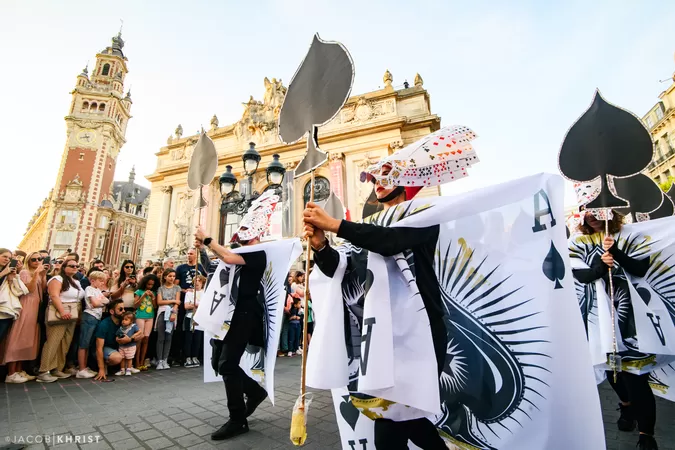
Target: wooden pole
<point x="308" y="255"/>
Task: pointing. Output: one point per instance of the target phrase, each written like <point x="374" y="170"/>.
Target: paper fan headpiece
<point x="438" y="158"/>
<point x="257" y="219"/>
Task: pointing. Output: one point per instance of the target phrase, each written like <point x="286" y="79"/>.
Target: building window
<point x="93" y="107"/>
<point x="650" y="122"/>
<point x="103" y="222"/>
<point x="85" y="106"/>
<point x="659" y="113"/>
<point x="65" y="238"/>
<point x="106" y="69"/>
<point x="68" y="216"/>
<point x="101" y="107"/>
<point x="321" y="190"/>
<point x="100" y="241"/>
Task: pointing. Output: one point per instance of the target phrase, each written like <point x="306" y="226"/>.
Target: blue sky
<point x="518" y="73"/>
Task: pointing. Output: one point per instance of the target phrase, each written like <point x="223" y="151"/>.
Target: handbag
<point x="10" y="304"/>
<point x="54" y="318"/>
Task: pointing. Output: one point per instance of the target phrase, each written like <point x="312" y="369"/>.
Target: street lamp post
<point x="235" y="202"/>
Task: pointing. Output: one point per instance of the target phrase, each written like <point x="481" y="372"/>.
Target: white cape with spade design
<point x="646" y="305"/>
<point x="517" y="365"/>
<point x="219" y="300"/>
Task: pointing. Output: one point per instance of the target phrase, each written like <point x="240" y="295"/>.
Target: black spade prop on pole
<point x="605" y="141"/>
<point x="316" y="93"/>
<point x="643" y="195"/>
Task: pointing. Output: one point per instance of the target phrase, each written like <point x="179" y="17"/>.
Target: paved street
<point x="174" y="409"/>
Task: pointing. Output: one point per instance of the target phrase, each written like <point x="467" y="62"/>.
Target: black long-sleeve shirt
<point x="598" y="269"/>
<point x="389" y="242"/>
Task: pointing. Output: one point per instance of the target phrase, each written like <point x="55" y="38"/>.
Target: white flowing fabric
<point x="518" y="364"/>
<point x="217" y="309"/>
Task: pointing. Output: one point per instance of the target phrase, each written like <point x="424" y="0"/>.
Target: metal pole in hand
<point x="303" y="387"/>
<point x="611" y="305"/>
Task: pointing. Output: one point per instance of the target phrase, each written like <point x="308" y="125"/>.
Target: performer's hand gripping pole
<point x="299" y="417"/>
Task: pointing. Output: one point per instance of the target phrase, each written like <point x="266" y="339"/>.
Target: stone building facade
<point x="370" y="125"/>
<point x="660" y="121"/>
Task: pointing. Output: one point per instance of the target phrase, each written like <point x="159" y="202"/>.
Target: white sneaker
<point x="299" y="352"/>
<point x="91" y="371"/>
<point x="15" y="378"/>
<point x="84" y="373"/>
<point x="290" y="354"/>
<point x="46" y="377"/>
<point x="160" y="365"/>
<point x="134" y="370"/>
<point x="128" y="373"/>
<point x="119" y="373"/>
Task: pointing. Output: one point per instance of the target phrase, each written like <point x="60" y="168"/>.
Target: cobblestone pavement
<point x="175" y="409"/>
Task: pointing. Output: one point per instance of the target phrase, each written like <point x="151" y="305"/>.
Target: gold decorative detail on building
<point x="258" y="122"/>
<point x="214" y="123"/>
<point x="388" y="79"/>
<point x="419" y="82"/>
<point x="179" y="131"/>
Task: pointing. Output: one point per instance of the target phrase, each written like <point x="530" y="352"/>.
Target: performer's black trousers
<point x="391" y="435"/>
<point x="237" y="383"/>
<point x="635" y="389"/>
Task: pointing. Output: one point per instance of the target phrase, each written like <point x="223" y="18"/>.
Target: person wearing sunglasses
<point x="24" y="338"/>
<point x="62" y="289"/>
<point x="125" y="286"/>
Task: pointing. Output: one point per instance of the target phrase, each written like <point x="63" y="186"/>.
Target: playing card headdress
<point x="438" y="158"/>
<point x="257" y="218"/>
<point x="316" y="93"/>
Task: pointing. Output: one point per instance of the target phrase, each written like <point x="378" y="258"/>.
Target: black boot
<point x="230" y="430"/>
<point x="627" y="420"/>
<point x="647" y="442"/>
<point x="252" y="402"/>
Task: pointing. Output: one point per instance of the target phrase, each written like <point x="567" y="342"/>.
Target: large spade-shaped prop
<point x="666" y="209"/>
<point x="316" y="93"/>
<point x="643" y="195"/>
<point x="203" y="166"/>
<point x="605" y="140"/>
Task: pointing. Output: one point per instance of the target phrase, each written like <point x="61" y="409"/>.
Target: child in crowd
<point x="145" y="302"/>
<point x="192" y="338"/>
<point x="168" y="299"/>
<point x="127" y="329"/>
<point x="91" y="316"/>
<point x="294" y="327"/>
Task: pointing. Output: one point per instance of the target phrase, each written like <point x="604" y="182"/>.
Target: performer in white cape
<point x="241" y="305"/>
<point x="644" y="304"/>
<point x="404" y="405"/>
<point x="451" y="320"/>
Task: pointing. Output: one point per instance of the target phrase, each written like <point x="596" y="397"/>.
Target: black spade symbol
<point x="349" y="412"/>
<point x="643" y="195"/>
<point x="644" y="294"/>
<point x="606" y="140"/>
<point x="554" y="267"/>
